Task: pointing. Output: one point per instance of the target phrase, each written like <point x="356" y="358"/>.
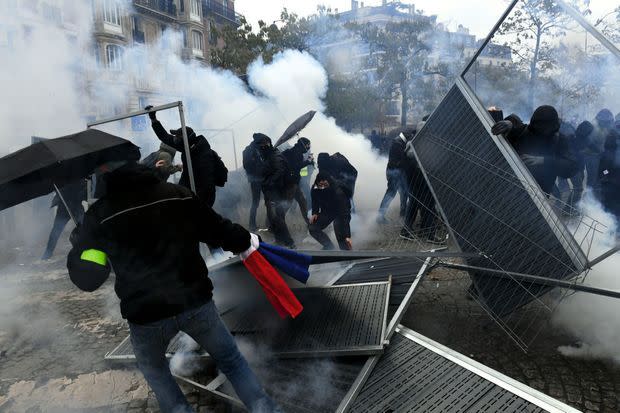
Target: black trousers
<point x="342" y="230"/>
<point x="420" y="199"/>
<point x="277" y="206"/>
<point x="300" y="198"/>
<point x="256" y="188"/>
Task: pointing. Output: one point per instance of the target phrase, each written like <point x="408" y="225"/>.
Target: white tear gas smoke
<point x="593" y="319"/>
<point x="186" y="361"/>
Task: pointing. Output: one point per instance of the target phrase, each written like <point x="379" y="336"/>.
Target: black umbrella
<point x="295" y="127"/>
<point x="44" y="166"/>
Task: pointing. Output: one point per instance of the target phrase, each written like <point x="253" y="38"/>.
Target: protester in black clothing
<point x="340" y="169"/>
<point x="578" y="141"/>
<point x="254" y="166"/>
<point x="396" y="179"/>
<point x="375" y="140"/>
<point x="208" y="169"/>
<point x="420" y="200"/>
<point x="609" y="174"/>
<point x="73" y="194"/>
<point x="161" y="278"/>
<point x="603" y="125"/>
<point x="276" y="190"/>
<point x="544" y="152"/>
<point x="330" y="204"/>
<point x="297" y="158"/>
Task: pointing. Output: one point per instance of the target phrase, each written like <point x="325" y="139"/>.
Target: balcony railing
<point x="217" y="9"/>
<point x="162" y="6"/>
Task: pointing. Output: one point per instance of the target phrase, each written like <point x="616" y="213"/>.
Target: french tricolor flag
<point x="260" y="263"/>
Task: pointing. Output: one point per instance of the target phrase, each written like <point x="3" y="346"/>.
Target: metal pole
<point x="234" y="148"/>
<point x="490" y="36"/>
<point x="604" y="256"/>
<point x="589" y="28"/>
<point x="535" y="279"/>
<point x="133" y="114"/>
<point x="62" y="199"/>
<point x="188" y="157"/>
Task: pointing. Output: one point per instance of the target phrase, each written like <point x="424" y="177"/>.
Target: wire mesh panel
<point x="347" y="319"/>
<point x="403" y="272"/>
<point x="491" y="206"/>
<point x="411" y="377"/>
<point x="303" y="386"/>
<point x="124" y="351"/>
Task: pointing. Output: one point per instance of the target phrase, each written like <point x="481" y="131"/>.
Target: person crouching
<point x="330" y="204"/>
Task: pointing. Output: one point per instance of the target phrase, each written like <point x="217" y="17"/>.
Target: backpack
<point x="346" y="174"/>
<point x="220" y="172"/>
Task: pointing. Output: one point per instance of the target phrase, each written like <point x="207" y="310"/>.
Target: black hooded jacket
<point x="396" y="157"/>
<point x="202" y="162"/>
<point x="295" y="159"/>
<point x="275" y="173"/>
<point x="332" y="201"/>
<point x="340" y="169"/>
<point x="253" y="163"/>
<point x="150" y="231"/>
<point x="541" y="138"/>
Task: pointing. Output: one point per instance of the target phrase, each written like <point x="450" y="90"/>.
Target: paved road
<point x="53" y="339"/>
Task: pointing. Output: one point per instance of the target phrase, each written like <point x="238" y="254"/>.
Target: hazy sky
<point x="478" y="15"/>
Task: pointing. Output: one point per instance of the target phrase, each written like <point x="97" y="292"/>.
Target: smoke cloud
<point x="593" y="319"/>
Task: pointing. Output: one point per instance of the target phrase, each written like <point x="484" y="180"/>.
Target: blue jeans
<point x="204" y="325"/>
<point x="396" y="183"/>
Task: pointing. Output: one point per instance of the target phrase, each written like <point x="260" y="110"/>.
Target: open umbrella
<point x="44" y="166"/>
<point x="295" y="127"/>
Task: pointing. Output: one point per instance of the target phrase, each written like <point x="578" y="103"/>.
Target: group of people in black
<point x="282" y="178"/>
<point x="566" y="157"/>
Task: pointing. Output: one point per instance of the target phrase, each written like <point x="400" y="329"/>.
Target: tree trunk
<point x="534" y="70"/>
<point x="404" y="105"/>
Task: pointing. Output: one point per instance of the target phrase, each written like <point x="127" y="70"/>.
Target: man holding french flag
<point x="162" y="280"/>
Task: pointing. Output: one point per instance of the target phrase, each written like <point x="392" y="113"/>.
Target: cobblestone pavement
<point x="53" y="339"/>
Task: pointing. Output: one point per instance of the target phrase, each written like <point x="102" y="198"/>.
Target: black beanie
<point x="582" y="134"/>
<point x="261" y="138"/>
<point x="545" y="121"/>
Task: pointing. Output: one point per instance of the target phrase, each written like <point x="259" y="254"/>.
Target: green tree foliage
<point x="399" y="52"/>
<point x="530" y="31"/>
<point x="354" y="102"/>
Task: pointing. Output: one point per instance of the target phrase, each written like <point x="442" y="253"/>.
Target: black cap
<point x="179" y="132"/>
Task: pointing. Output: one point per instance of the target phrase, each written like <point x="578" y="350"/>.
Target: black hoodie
<point x="150" y="231"/>
<point x="541" y="138"/>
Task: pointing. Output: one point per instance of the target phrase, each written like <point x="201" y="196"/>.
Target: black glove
<point x="501" y="127"/>
<point x="152" y="115"/>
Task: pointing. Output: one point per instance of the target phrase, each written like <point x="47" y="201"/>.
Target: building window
<point x="138" y="33"/>
<point x="195" y="8"/>
<point x="212" y="33"/>
<point x="182" y="5"/>
<point x="197" y="40"/>
<point x="111" y="12"/>
<point x="114" y="57"/>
